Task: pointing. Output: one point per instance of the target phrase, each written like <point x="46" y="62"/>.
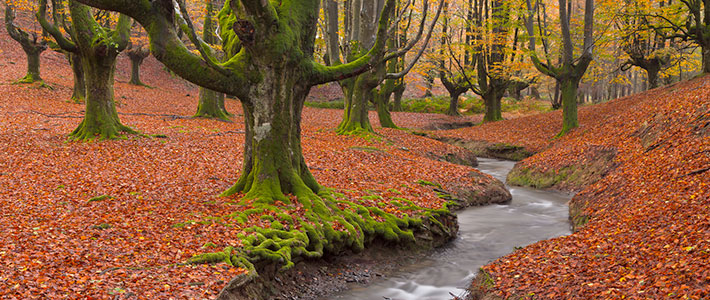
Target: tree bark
<point x="211" y="105"/>
<point x="492" y="100"/>
<point x="273" y="159"/>
<point x="569" y="88"/>
<point x="79" y="91"/>
<point x="356" y="118"/>
<point x="453" y="109"/>
<point x="136" y="56"/>
<point x="100" y="118"/>
<point x="98" y="52"/>
<point x="383" y="113"/>
<point x="32" y="66"/>
<point x="398" y="93"/>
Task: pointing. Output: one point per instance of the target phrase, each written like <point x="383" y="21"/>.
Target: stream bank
<point x="485" y="233"/>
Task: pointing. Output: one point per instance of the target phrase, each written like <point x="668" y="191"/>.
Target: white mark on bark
<point x="260" y="131"/>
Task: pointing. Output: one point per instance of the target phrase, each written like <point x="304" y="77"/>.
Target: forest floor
<point x="642" y="216"/>
<point x="111" y="219"/>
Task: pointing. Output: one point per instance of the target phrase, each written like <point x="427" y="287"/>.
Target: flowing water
<point x="485" y="233"/>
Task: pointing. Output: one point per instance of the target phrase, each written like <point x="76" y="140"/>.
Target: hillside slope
<point x="643" y="214"/>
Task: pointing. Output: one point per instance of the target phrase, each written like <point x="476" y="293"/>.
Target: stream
<point x="485" y="234"/>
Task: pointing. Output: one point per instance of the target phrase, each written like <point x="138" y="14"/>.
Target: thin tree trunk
<point x="79" y="92"/>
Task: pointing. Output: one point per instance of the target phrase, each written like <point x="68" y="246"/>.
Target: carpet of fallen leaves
<point x="55" y="243"/>
<point x="649" y="233"/>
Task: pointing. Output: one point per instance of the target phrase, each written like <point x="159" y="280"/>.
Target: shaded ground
<point x="643" y="213"/>
<point x="111" y="219"/>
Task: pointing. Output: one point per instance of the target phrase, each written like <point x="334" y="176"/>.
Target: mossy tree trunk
<point x="32" y="44"/>
<point x="273" y="159"/>
<point x="455" y="87"/>
<point x="98" y="48"/>
<point x="211" y="103"/>
<point x="100" y="118"/>
<point x="356" y="118"/>
<point x="381" y="105"/>
<point x="453" y="109"/>
<point x="568" y="88"/>
<point x="492" y="101"/>
<point x="398" y="93"/>
<point x="79" y="92"/>
<point x="381" y="97"/>
<point x="570" y="73"/>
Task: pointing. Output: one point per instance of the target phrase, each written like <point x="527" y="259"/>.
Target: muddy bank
<point x="488" y="149"/>
<point x="314" y="278"/>
<point x="311" y="279"/>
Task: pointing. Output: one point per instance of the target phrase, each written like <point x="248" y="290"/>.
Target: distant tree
<point x="645" y="46"/>
<point x="31" y="41"/>
<point x="361" y="90"/>
<point x="571" y="71"/>
<point x="455" y="83"/>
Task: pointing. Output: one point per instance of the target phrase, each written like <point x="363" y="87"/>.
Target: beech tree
<point x="455" y="83"/>
<point x="360" y="90"/>
<point x="571" y="71"/>
<point x="97" y="47"/>
<point x="491" y="42"/>
<point x="32" y="42"/>
<point x="271" y="74"/>
<point x="645" y="46"/>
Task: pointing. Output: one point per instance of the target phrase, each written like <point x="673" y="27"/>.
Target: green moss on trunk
<point x="492" y="101"/>
<point x="356" y="119"/>
<point x="32" y="67"/>
<point x="383" y="113"/>
<point x="100" y="118"/>
<point x="569" y="88"/>
<point x="79" y="91"/>
<point x="211" y="105"/>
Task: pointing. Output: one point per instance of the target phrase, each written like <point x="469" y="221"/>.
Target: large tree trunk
<point x="100" y="118"/>
<point x="383" y="114"/>
<point x="211" y="105"/>
<point x="398" y="93"/>
<point x="356" y="119"/>
<point x="79" y="93"/>
<point x="273" y="159"/>
<point x="492" y="100"/>
<point x="569" y="87"/>
<point x="453" y="104"/>
<point x="98" y="57"/>
<point x="32" y="64"/>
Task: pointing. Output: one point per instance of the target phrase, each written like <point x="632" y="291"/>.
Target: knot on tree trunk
<point x="245" y="31"/>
